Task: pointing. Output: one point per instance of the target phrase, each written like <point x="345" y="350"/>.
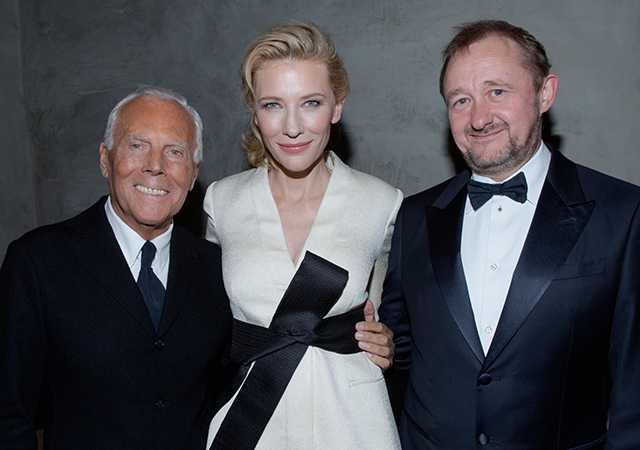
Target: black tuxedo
<point x="571" y="314"/>
<point x="73" y="321"/>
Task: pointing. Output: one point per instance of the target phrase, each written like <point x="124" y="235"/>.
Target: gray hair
<point x="161" y="93"/>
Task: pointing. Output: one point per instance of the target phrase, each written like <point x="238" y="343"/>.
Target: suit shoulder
<point x="592" y="179"/>
<point x="428" y="196"/>
<point x="45" y="232"/>
<point x="48" y="235"/>
<point x="181" y="236"/>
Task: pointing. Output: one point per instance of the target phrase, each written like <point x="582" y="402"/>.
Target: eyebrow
<point x="499" y="82"/>
<point x="317" y="94"/>
<point x="304" y="97"/>
<point x="138" y="138"/>
<point x="451" y="94"/>
<point x="176" y="143"/>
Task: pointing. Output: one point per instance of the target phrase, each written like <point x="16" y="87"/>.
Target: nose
<point x="481" y="115"/>
<point x="155" y="162"/>
<point x="292" y="126"/>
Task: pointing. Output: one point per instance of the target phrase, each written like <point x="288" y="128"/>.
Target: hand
<point x="375" y="338"/>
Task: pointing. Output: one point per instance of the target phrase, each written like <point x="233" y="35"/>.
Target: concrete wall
<point x="17" y="196"/>
<point x="74" y="60"/>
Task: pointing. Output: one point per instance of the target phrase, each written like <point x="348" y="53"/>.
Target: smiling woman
<point x="294" y="109"/>
<point x="305" y="241"/>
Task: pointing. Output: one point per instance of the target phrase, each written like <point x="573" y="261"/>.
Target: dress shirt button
<point x="493" y="267"/>
<point x="484" y="379"/>
<point x="159" y="344"/>
<point x="488" y="329"/>
<point x="159" y="405"/>
<point x="483" y="439"/>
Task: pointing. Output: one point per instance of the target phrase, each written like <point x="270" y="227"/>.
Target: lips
<point x="484" y="136"/>
<point x="486" y="133"/>
<point x="295" y="148"/>
<point x="150" y="191"/>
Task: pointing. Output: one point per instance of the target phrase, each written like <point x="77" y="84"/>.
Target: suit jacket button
<point x="159" y="405"/>
<point x="484" y="379"/>
<point x="159" y="344"/>
<point x="483" y="439"/>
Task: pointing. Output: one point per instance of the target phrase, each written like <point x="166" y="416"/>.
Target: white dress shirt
<point x="492" y="240"/>
<point x="131" y="245"/>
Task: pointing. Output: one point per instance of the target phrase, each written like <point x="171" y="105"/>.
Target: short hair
<point x="296" y="41"/>
<point x="534" y="58"/>
<point x="163" y="94"/>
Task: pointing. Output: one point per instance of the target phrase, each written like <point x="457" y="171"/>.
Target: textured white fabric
<point x="492" y="240"/>
<point x="333" y="401"/>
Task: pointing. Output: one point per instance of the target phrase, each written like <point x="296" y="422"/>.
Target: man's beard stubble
<point x="512" y="156"/>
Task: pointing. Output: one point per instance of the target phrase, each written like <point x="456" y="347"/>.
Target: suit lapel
<point x="561" y="215"/>
<point x="444" y="225"/>
<point x="98" y="249"/>
<point x="183" y="268"/>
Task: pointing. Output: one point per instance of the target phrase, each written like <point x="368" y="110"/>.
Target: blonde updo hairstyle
<point x="297" y="41"/>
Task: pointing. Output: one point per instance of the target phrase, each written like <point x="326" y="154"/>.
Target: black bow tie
<point x="481" y="193"/>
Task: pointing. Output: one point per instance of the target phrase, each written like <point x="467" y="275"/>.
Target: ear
<point x="104" y="160"/>
<point x="195" y="175"/>
<point x="548" y="92"/>
<point x="337" y="111"/>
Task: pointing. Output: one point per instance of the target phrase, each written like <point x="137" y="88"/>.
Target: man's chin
<point x="485" y="160"/>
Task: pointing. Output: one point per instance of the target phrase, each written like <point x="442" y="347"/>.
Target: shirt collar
<point x="535" y="171"/>
<point x="131" y="242"/>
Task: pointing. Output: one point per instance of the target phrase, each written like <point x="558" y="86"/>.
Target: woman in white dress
<point x="304" y="243"/>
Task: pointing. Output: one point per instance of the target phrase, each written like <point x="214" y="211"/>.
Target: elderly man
<point x="513" y="289"/>
<point x="83" y="310"/>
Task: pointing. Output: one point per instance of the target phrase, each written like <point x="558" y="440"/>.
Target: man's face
<point x="494" y="111"/>
<point x="150" y="168"/>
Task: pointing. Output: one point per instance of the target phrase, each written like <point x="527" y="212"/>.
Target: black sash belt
<point x="277" y="350"/>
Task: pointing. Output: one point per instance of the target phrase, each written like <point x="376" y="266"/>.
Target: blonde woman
<point x="305" y="241"/>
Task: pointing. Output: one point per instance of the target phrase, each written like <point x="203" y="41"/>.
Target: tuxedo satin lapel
<point x="555" y="228"/>
<point x="444" y="225"/>
<point x="183" y="268"/>
<point x="98" y="249"/>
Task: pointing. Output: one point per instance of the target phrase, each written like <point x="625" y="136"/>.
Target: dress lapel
<point x="444" y="226"/>
<point x="561" y="215"/>
<point x="98" y="249"/>
<point x="333" y="207"/>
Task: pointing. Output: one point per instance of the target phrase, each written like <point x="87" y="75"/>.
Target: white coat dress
<point x="333" y="401"/>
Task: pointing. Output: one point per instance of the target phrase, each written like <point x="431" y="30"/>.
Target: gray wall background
<point x="64" y="64"/>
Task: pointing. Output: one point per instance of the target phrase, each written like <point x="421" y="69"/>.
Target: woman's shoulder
<point x="232" y="185"/>
<point x="369" y="185"/>
<point x="236" y="180"/>
<point x="229" y="193"/>
<point x="378" y="186"/>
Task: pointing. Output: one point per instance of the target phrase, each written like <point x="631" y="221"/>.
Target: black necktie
<point x="481" y="193"/>
<point x="150" y="286"/>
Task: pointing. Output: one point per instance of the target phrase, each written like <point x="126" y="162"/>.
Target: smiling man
<point x="117" y="316"/>
<point x="513" y="288"/>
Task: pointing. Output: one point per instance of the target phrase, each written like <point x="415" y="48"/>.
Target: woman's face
<point x="294" y="109"/>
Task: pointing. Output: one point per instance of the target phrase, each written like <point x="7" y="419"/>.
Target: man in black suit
<point x="513" y="289"/>
<point x="84" y="316"/>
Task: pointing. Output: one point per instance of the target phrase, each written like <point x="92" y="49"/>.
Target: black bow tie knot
<point x="481" y="193"/>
